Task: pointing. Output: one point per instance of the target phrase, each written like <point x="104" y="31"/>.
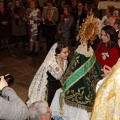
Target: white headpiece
<point x="37" y="88"/>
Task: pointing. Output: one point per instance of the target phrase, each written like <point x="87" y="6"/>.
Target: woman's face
<point x="80" y="6"/>
<point x="32" y="5"/>
<point x="17" y="3"/>
<point x="90" y="12"/>
<point x="65" y="11"/>
<point x="105" y="37"/>
<point x="116" y="13"/>
<point x="64" y="53"/>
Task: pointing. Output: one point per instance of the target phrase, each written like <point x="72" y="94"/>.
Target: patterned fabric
<point x="107" y="102"/>
<point x="79" y="81"/>
<point x="35" y="17"/>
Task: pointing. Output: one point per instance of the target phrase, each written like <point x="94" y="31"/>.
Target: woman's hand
<point x="106" y="69"/>
<point x="16" y="16"/>
<point x="3" y="83"/>
<point x="4" y="22"/>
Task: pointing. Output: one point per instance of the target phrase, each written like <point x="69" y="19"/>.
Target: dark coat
<point x="18" y="26"/>
<point x="5" y="17"/>
<point x="76" y="17"/>
<point x="5" y="29"/>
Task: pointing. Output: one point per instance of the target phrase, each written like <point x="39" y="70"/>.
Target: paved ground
<point x="23" y="67"/>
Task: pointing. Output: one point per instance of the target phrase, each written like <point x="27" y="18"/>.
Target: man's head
<point x="80" y="6"/>
<point x="74" y="3"/>
<point x="40" y="111"/>
<point x="114" y="22"/>
<point x="116" y="13"/>
<point x="49" y="3"/>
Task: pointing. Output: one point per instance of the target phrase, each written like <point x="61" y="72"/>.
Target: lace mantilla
<point x="82" y="49"/>
<point x="37" y="88"/>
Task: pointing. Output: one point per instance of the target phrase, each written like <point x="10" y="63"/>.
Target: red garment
<point x="63" y="17"/>
<point x="107" y="57"/>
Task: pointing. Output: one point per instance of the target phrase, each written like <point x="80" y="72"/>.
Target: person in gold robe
<point x="107" y="102"/>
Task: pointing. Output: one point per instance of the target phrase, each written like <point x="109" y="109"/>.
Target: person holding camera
<point x="11" y="106"/>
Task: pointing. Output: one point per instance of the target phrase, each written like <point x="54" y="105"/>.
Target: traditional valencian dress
<point x="107" y="102"/>
<point x="79" y="83"/>
<point x="46" y="81"/>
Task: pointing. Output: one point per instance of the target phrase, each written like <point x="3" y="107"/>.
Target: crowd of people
<point x="85" y="89"/>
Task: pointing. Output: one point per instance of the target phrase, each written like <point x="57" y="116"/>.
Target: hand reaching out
<point x="106" y="69"/>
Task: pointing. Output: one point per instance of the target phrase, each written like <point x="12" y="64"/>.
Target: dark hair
<point x="68" y="8"/>
<point x="80" y="2"/>
<point x="49" y="1"/>
<point x="60" y="46"/>
<point x="117" y="21"/>
<point x="90" y="5"/>
<point x="95" y="12"/>
<point x="34" y="2"/>
<point x="112" y="33"/>
<point x="111" y="9"/>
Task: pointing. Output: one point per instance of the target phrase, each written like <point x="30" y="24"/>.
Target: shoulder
<point x="114" y="49"/>
<point x="8" y="91"/>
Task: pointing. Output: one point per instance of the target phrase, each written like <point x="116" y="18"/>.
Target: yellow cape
<point x="107" y="102"/>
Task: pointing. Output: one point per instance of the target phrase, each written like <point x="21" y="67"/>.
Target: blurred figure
<point x="10" y="7"/>
<point x="115" y="22"/>
<point x="79" y="15"/>
<point x="116" y="13"/>
<point x="74" y="6"/>
<point x="109" y="13"/>
<point x="18" y="24"/>
<point x="5" y="19"/>
<point x="65" y="24"/>
<point x="88" y="6"/>
<point x="40" y="111"/>
<point x="33" y="16"/>
<point x="61" y="8"/>
<point x="50" y="19"/>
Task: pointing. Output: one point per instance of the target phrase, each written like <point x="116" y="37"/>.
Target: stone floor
<point x="23" y="67"/>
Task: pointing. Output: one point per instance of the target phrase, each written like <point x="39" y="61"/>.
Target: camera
<point x="9" y="79"/>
